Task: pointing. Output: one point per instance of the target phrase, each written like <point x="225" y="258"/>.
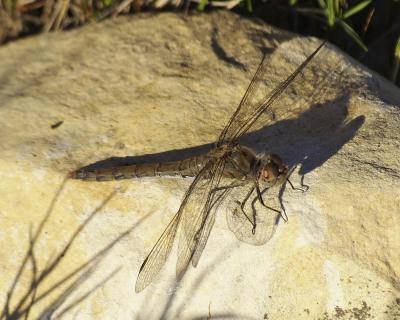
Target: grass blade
<point x="357" y="8"/>
<point x="249" y="5"/>
<point x="396" y="65"/>
<point x="330" y="10"/>
<point x="202" y="5"/>
<point x="350" y="31"/>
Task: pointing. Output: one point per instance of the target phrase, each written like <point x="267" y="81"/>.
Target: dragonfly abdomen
<point x="188" y="168"/>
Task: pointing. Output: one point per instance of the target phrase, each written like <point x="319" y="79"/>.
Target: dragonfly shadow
<point x="172" y="155"/>
<point x="311" y="139"/>
<point x="21" y="302"/>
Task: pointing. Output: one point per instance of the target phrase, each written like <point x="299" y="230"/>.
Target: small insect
<point x="228" y="166"/>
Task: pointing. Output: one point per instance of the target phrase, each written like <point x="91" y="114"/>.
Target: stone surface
<point x="153" y="83"/>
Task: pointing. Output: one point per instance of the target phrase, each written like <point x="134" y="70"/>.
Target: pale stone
<point x="154" y="83"/>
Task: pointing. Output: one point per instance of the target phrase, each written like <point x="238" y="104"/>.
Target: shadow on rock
<point x="153" y="303"/>
<point x="61" y="289"/>
<point x="309" y="140"/>
<point x="222" y="54"/>
<point x="172" y="155"/>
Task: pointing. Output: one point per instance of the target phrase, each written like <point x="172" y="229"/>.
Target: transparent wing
<point x="198" y="218"/>
<point x="192" y="216"/>
<point x="258" y="99"/>
<point x="209" y="223"/>
<point x="158" y="256"/>
<point x="245" y="106"/>
<point x="240" y="221"/>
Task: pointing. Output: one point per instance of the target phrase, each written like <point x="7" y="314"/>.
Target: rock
<point x="154" y="83"/>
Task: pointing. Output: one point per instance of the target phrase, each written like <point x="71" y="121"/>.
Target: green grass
<point x="396" y="65"/>
<point x="369" y="30"/>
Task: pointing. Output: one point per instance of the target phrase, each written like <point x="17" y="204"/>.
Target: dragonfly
<point x="229" y="165"/>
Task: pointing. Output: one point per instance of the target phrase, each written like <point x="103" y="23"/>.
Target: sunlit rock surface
<point x="153" y="83"/>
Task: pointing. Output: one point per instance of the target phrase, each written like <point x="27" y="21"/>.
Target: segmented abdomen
<point x="187" y="167"/>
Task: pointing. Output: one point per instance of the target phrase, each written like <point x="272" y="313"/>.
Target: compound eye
<point x="274" y="172"/>
<point x="264" y="173"/>
<point x="270" y="172"/>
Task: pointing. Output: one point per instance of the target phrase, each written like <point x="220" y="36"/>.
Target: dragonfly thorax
<point x="271" y="168"/>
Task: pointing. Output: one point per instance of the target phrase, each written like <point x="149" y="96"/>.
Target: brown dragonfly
<point x="228" y="166"/>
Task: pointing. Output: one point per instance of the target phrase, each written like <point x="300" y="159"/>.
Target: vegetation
<point x="369" y="30"/>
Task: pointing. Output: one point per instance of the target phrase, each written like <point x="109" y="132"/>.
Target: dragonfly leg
<point x="268" y="207"/>
<point x="241" y="206"/>
<point x="259" y="195"/>
<point x="253" y="202"/>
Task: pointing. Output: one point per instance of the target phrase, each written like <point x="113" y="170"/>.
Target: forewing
<point x="197" y="217"/>
<point x="161" y="250"/>
<point x="259" y="99"/>
<point x="248" y="102"/>
<point x="158" y="255"/>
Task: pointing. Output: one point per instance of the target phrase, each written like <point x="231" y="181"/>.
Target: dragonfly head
<point x="273" y="168"/>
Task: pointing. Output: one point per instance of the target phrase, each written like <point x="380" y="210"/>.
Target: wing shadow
<point x="311" y="139"/>
<point x="152" y="303"/>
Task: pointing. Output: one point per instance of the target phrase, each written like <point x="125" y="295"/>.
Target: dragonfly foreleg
<point x="268" y="207"/>
<point x="253" y="202"/>
<point x="259" y="195"/>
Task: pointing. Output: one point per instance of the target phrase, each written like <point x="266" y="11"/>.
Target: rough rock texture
<point x="153" y="83"/>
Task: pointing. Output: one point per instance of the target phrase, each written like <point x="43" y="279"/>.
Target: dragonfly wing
<point x="161" y="250"/>
<point x="245" y="105"/>
<point x="158" y="255"/>
<point x="209" y="223"/>
<point x="240" y="221"/>
<point x="256" y="102"/>
<point x="197" y="217"/>
<point x="202" y="241"/>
